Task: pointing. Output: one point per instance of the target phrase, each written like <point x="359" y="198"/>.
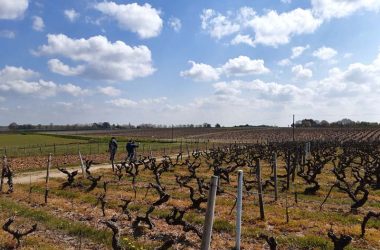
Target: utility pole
<point x="293" y="128"/>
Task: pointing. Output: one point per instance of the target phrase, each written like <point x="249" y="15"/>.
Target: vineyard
<point x="295" y="195"/>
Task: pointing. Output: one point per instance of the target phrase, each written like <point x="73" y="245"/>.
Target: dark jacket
<point x="112" y="145"/>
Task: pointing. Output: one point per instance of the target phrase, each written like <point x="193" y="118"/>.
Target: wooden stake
<point x="275" y="177"/>
<point x="260" y="189"/>
<point x="47" y="179"/>
<point x="209" y="217"/>
<point x="3" y="172"/>
<point x="82" y="166"/>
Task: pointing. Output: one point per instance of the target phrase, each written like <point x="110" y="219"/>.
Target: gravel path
<point x="36" y="176"/>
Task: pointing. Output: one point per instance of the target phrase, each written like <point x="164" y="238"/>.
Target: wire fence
<point x="91" y="148"/>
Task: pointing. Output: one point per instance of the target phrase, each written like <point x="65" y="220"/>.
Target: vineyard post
<point x="293" y="128"/>
<point x="260" y="189"/>
<point x="82" y="165"/>
<point x="54" y="148"/>
<point x="180" y="149"/>
<point x="47" y="179"/>
<point x="98" y="147"/>
<point x="187" y="148"/>
<point x="2" y="172"/>
<point x="239" y="209"/>
<point x="209" y="217"/>
<point x="275" y="176"/>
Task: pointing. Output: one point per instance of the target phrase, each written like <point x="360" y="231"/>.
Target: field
<point x="11" y="140"/>
<point x="157" y="186"/>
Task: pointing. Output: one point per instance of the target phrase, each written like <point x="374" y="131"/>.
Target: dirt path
<point x="35" y="176"/>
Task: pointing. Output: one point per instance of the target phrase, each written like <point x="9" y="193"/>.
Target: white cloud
<point x="66" y="105"/>
<point x="72" y="89"/>
<point x="201" y="72"/>
<point x="243" y="65"/>
<point x="325" y="53"/>
<point x="2" y="99"/>
<point x="271" y="29"/>
<point x="217" y="25"/>
<point x="302" y="73"/>
<point x="110" y="91"/>
<point x="13" y="9"/>
<point x="38" y="23"/>
<point x="7" y="34"/>
<point x="24" y="81"/>
<point x="141" y="19"/>
<point x="59" y="67"/>
<point x="112" y="61"/>
<point x="150" y="101"/>
<point x="284" y="62"/>
<point x="297" y="51"/>
<point x="175" y="24"/>
<point x="123" y="103"/>
<point x="127" y="103"/>
<point x="244" y="39"/>
<point x="347" y="55"/>
<point x="274" y="29"/>
<point x="239" y="66"/>
<point x="327" y="9"/>
<point x="286" y="1"/>
<point x="71" y="15"/>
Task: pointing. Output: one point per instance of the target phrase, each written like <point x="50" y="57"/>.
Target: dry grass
<point x="307" y="228"/>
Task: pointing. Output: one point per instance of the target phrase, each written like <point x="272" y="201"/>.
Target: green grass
<point x="11" y="140"/>
<point x="53" y="222"/>
<point x="29" y="144"/>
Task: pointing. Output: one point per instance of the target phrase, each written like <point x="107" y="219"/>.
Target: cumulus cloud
<point x="127" y="103"/>
<point x="7" y="34"/>
<point x="13" y="9"/>
<point x="243" y="65"/>
<point x="243" y="39"/>
<point x="302" y="73"/>
<point x="274" y="29"/>
<point x="328" y="9"/>
<point x="38" y="23"/>
<point x="325" y="53"/>
<point x="71" y="15"/>
<point x="201" y="72"/>
<point x="24" y="81"/>
<point x="112" y="61"/>
<point x="110" y="91"/>
<point x="59" y="67"/>
<point x="298" y="51"/>
<point x="239" y="66"/>
<point x="141" y="19"/>
<point x="175" y="24"/>
<point x="271" y="29"/>
<point x="217" y="25"/>
<point x="284" y="62"/>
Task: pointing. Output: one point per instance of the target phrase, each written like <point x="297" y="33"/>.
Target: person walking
<point x="131" y="150"/>
<point x="112" y="148"/>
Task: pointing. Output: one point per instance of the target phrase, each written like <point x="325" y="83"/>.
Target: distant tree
<point x="106" y="125"/>
<point x="324" y="123"/>
<point x="217" y="125"/>
<point x="206" y="125"/>
<point x="13" y="126"/>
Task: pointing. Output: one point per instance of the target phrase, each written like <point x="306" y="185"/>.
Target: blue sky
<point x="179" y="62"/>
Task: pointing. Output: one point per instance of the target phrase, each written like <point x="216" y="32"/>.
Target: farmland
<point x="155" y="186"/>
